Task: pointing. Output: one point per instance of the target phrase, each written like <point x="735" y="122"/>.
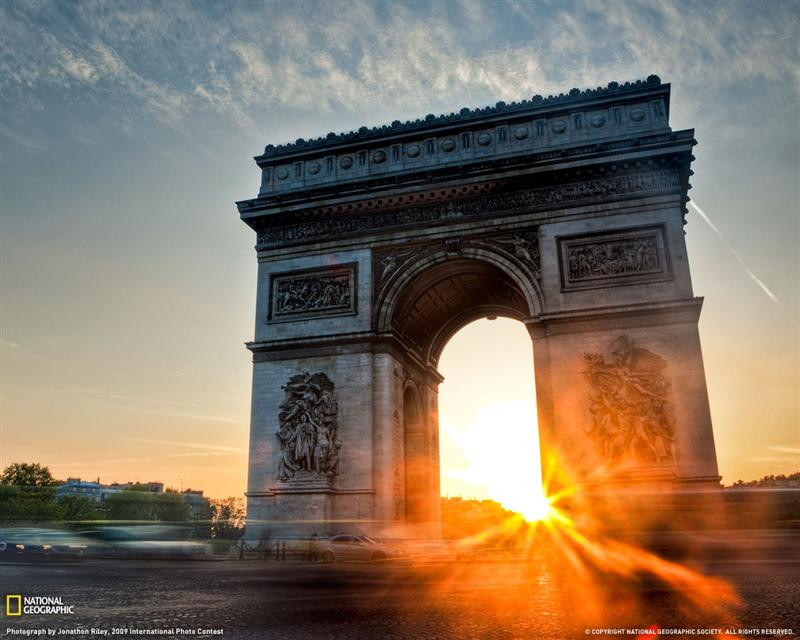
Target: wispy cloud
<point x="783" y="449"/>
<point x="190" y="445"/>
<point x="178" y="61"/>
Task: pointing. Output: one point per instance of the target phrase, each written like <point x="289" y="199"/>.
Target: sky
<point x="127" y="133"/>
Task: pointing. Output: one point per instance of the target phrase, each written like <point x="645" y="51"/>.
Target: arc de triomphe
<point x="374" y="247"/>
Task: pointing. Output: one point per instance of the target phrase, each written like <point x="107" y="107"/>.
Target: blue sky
<point x="127" y="132"/>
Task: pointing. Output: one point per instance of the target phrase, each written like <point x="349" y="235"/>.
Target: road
<point x="545" y="597"/>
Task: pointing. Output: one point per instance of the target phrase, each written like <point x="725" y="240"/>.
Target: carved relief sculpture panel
<point x="308" y="433"/>
<point x="618" y="258"/>
<point x="631" y="418"/>
<point x="312" y="293"/>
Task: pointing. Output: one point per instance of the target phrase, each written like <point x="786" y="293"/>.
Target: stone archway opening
<point x="440" y="301"/>
<point x="489" y="446"/>
<point x="447" y="296"/>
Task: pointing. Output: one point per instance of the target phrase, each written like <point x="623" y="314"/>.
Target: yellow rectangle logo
<point x="9" y="600"/>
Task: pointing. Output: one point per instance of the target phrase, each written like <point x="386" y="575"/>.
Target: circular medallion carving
<point x="520" y="133"/>
<point x="637" y="114"/>
<point x="282" y="173"/>
<point x="313" y="168"/>
<point x="412" y="150"/>
<point x="379" y="157"/>
<point x="448" y="144"/>
<point x="484" y="138"/>
<point x="559" y="126"/>
<point x="597" y="120"/>
<point x="346" y="162"/>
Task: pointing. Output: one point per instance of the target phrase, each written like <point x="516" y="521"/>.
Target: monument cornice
<point x="435" y="144"/>
<point x="338" y="344"/>
<point x="612" y="92"/>
<point x="364" y="193"/>
<point x="617" y="317"/>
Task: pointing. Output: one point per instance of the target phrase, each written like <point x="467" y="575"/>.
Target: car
<point x="156" y="541"/>
<point x="38" y="541"/>
<point x="347" y="547"/>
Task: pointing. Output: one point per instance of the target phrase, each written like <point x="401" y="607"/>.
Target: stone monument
<point x="374" y="247"/>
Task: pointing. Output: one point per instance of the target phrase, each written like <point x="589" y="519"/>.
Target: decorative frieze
<point x="313" y="293"/>
<point x="621" y="257"/>
<point x="630" y="415"/>
<point x="308" y="433"/>
<point x="585" y="191"/>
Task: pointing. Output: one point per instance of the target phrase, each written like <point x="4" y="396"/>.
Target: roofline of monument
<point x="605" y="151"/>
<point x="614" y="91"/>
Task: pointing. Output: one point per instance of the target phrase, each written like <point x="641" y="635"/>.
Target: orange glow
<point x="487" y="411"/>
<point x="605" y="576"/>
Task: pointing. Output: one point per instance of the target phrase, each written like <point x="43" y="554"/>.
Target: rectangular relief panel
<point x="313" y="293"/>
<point x="621" y="257"/>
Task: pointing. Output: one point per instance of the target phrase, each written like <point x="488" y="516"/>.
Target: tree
<point x="74" y="508"/>
<point x="27" y="504"/>
<point x="170" y="507"/>
<point x="27" y="474"/>
<point x="130" y="505"/>
<point x="227" y="520"/>
<point x="143" y="505"/>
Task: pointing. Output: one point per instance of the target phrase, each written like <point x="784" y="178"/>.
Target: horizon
<point x="128" y="281"/>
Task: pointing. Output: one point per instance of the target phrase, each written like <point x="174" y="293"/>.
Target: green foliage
<point x="170" y="507"/>
<point x="27" y="474"/>
<point x="141" y="505"/>
<point x="129" y="505"/>
<point x="227" y="521"/>
<point x="79" y="508"/>
<point x="24" y="504"/>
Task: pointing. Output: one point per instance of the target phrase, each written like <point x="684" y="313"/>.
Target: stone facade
<point x="375" y="247"/>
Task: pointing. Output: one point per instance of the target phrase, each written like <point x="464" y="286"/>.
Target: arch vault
<point x="375" y="247"/>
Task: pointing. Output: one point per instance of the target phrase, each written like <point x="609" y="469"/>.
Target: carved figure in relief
<point x="311" y="293"/>
<point x="524" y="248"/>
<point x="308" y="432"/>
<point x="520" y="246"/>
<point x="617" y="257"/>
<point x="631" y="418"/>
<point x="392" y="260"/>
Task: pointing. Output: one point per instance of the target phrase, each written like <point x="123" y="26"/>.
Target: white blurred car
<point x="144" y="541"/>
<point x="346" y="547"/>
<point x="35" y="541"/>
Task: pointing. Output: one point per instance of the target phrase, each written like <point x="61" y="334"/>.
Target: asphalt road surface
<point x="544" y="597"/>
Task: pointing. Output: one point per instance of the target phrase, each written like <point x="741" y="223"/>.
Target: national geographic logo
<point x="17" y="604"/>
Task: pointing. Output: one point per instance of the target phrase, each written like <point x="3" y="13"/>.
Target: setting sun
<point x="489" y="442"/>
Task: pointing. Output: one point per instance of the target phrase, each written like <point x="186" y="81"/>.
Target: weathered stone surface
<point x="377" y="246"/>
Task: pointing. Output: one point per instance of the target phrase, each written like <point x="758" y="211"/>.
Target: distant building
<point x="77" y="487"/>
<point x="99" y="492"/>
<point x="152" y="487"/>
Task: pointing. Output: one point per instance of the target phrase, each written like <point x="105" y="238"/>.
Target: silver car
<point x="348" y="547"/>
